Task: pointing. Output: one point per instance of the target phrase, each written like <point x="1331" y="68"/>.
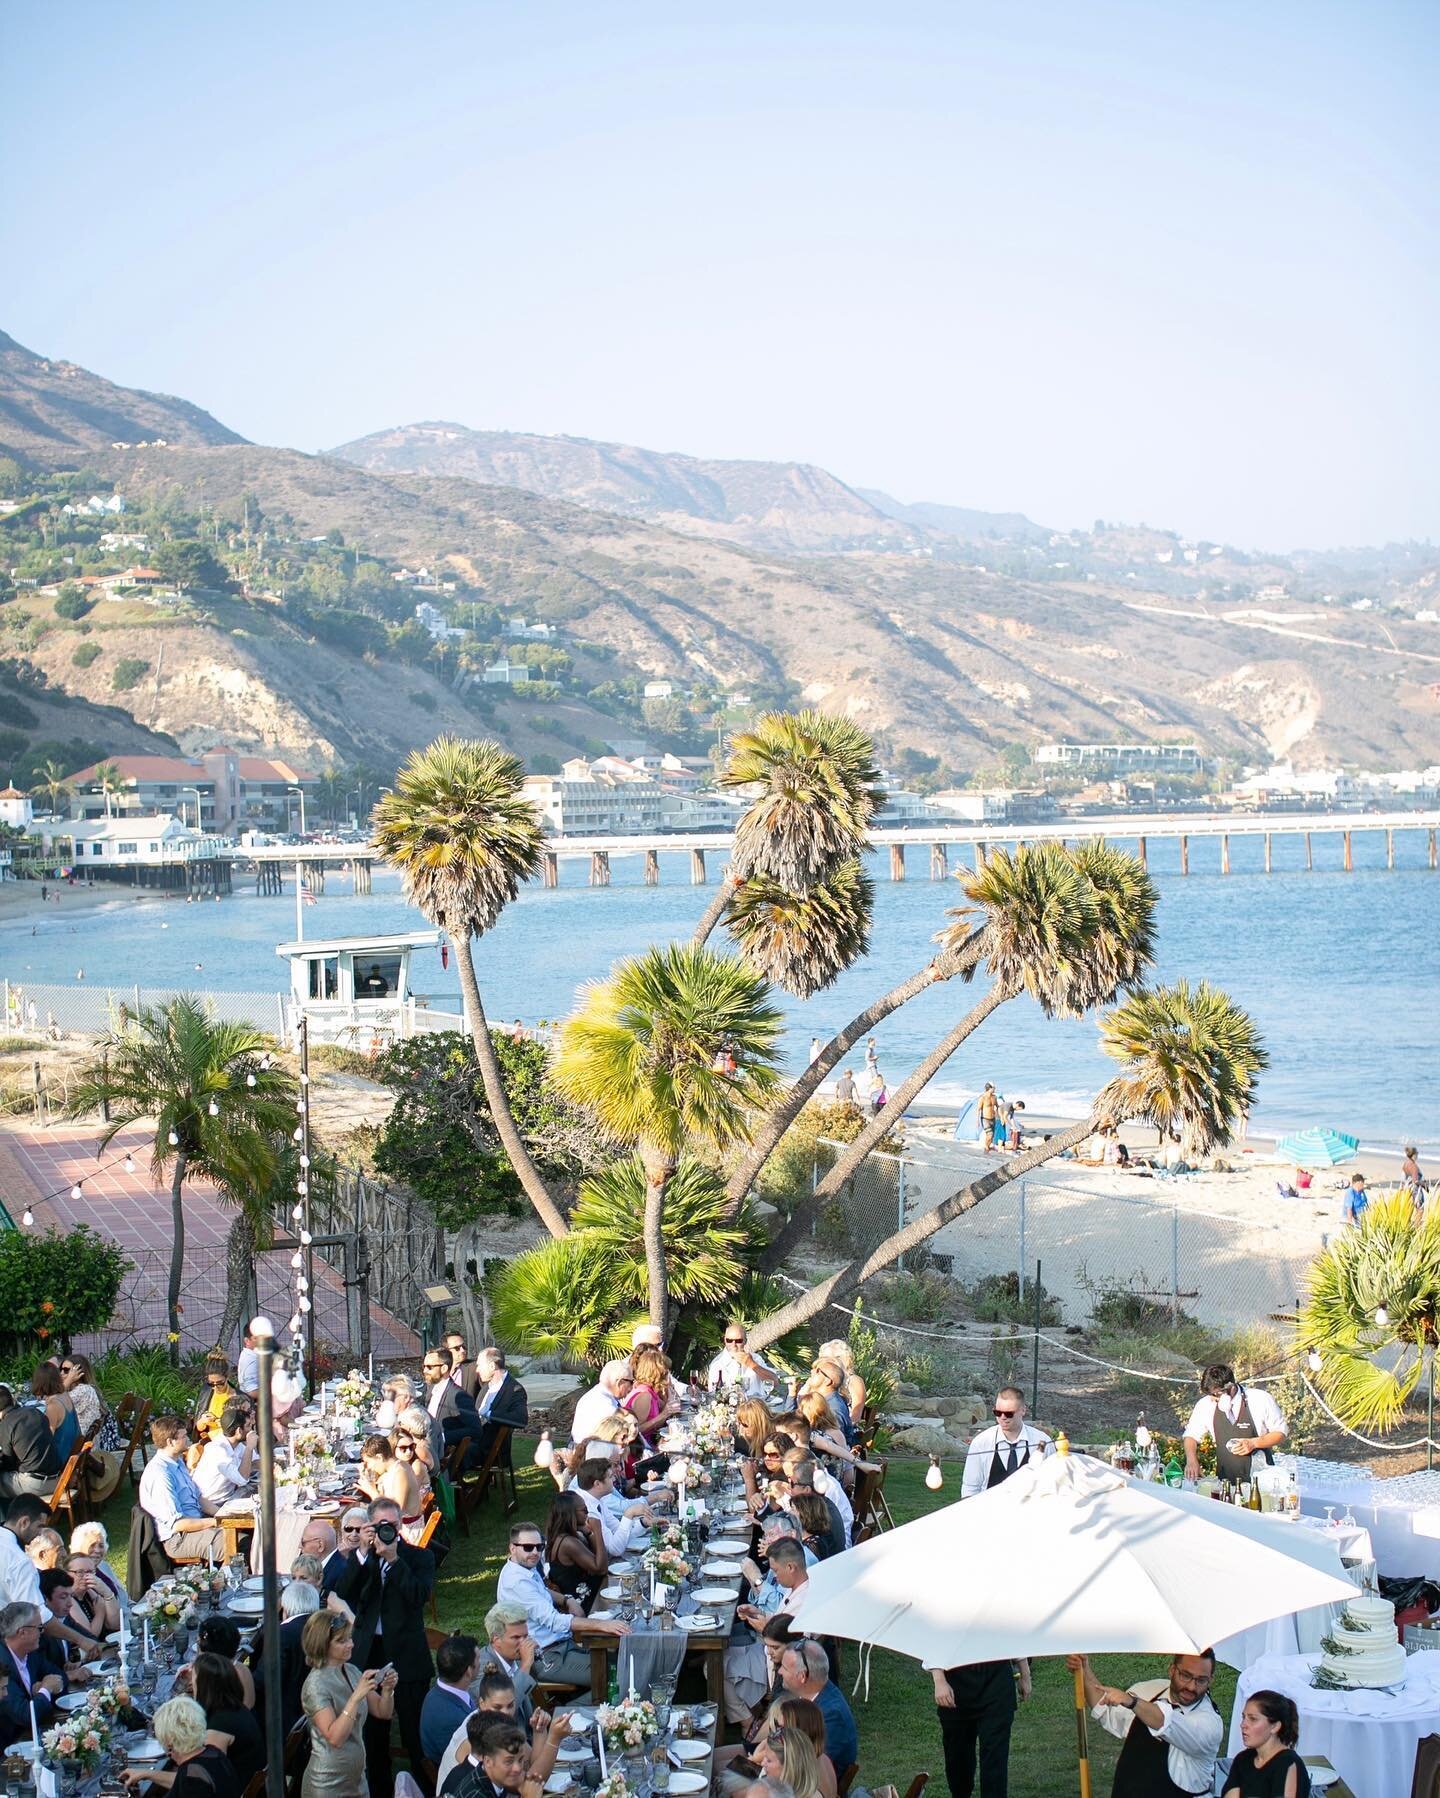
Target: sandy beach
<point x="20" y="896"/>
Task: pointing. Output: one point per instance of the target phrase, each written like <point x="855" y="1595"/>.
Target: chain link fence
<point x="51" y="1012"/>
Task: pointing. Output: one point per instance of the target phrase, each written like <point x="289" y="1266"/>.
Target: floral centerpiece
<point x="615" y="1786"/>
<point x="666" y="1535"/>
<point x="169" y="1602"/>
<point x="629" y="1725"/>
<point x="353" y="1394"/>
<point x="667" y="1564"/>
<point x="83" y="1737"/>
<point x="310" y="1456"/>
<point x="713" y="1431"/>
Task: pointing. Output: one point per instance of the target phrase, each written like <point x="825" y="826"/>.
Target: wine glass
<point x="1330" y="1522"/>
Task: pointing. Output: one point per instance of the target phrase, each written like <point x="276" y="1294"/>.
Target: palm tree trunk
<point x="881" y="1124"/>
<point x="854" y="1274"/>
<point x="784" y="1113"/>
<point x="529" y="1175"/>
<point x="659" y="1170"/>
<point x="177" y="1254"/>
<point x="714" y="911"/>
<point x="239" y="1260"/>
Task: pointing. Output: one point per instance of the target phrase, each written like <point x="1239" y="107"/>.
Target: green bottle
<point x="1174" y="1472"/>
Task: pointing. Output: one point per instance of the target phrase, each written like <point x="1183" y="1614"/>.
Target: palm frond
<point x="460" y="832"/>
<point x="802" y="941"/>
<point x="556" y="1299"/>
<point x="815" y="785"/>
<point x="704" y="1250"/>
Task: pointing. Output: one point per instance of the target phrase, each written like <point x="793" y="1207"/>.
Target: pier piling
<point x="1267" y="851"/>
<point x="1349" y="853"/>
<point x="1389" y="848"/>
<point x="697" y="867"/>
<point x="550" y="868"/>
<point x="652" y="867"/>
<point x="1432" y="849"/>
<point x="1184" y="855"/>
<point x="940" y="863"/>
<point x="1225" y="853"/>
<point x="1142" y="851"/>
<point x="897" y="861"/>
<point x="600" y="868"/>
<point x="1309" y="854"/>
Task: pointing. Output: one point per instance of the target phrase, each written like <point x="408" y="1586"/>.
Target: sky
<point x="1153" y="263"/>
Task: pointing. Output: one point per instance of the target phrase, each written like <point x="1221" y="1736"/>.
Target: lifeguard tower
<point x="358" y="991"/>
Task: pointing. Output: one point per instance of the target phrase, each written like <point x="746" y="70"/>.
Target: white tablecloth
<point x="1299" y="1632"/>
<point x="1369" y="1737"/>
<point x="1405" y="1533"/>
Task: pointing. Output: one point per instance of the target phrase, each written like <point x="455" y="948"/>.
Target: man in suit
<point x="501" y="1400"/>
<point x="319" y="1539"/>
<point x="448" y="1702"/>
<point x="298" y="1604"/>
<point x="30" y="1677"/>
<point x="387" y="1586"/>
<point x="511" y="1651"/>
<point x="463" y="1371"/>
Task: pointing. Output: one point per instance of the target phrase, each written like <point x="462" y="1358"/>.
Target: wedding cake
<point x="1363" y="1648"/>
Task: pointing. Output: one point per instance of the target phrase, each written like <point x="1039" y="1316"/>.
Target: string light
<point x="934" y="1478"/>
<point x="173" y="1140"/>
<point x="298" y="1134"/>
<point x="297" y="1211"/>
<point x="249" y="1080"/>
<point x="544" y="1450"/>
<point x="306" y="1238"/>
<point x="297" y="1259"/>
<point x="1315" y="1360"/>
<point x="1382" y="1316"/>
<point x="304" y="1161"/>
<point x="75" y="1190"/>
<point x="28" y="1218"/>
<point x="214" y="1108"/>
<point x="129" y="1164"/>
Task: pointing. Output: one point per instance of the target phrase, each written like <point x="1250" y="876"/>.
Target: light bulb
<point x="1382" y="1316"/>
<point x="934" y="1478"/>
<point x="297" y="1135"/>
<point x="294" y="1323"/>
<point x="297" y="1259"/>
<point x="249" y="1080"/>
<point x="302" y="1187"/>
<point x="75" y="1190"/>
<point x="302" y="1284"/>
<point x="28" y="1218"/>
<point x="304" y="1161"/>
<point x="297" y="1211"/>
<point x="1316" y="1360"/>
<point x="214" y="1108"/>
<point x="544" y="1450"/>
<point x="173" y="1140"/>
<point x="304" y="1305"/>
<point x="300" y="1107"/>
<point x="304" y="1080"/>
<point x="129" y="1164"/>
<point x="306" y="1238"/>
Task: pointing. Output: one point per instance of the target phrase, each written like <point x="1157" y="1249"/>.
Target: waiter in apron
<point x="1009" y="1445"/>
<point x="1171" y="1730"/>
<point x="1244" y="1421"/>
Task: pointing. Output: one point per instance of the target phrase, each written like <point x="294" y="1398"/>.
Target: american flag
<point x="305" y="892"/>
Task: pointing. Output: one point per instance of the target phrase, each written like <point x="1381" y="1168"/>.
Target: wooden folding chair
<point x="67" y="1499"/>
<point x="879" y="1508"/>
<point x="474" y="1486"/>
<point x="917" y="1785"/>
<point x="297" y="1756"/>
<point x="427" y="1536"/>
<point x="256" y="1787"/>
<point x="139" y="1424"/>
<point x="844" y="1781"/>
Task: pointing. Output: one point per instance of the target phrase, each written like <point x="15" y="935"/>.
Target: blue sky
<point x="1133" y="261"/>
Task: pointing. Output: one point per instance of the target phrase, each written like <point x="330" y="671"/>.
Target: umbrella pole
<point x="1082" y="1733"/>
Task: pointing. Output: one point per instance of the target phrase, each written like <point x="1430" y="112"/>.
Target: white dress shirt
<point x="617" y="1532"/>
<point x="836" y="1493"/>
<point x="1265" y="1414"/>
<point x="524" y="1585"/>
<point x="218" y="1473"/>
<point x="247" y="1371"/>
<point x="19" y="1576"/>
<point x="592" y="1409"/>
<point x="728" y="1370"/>
<point x="980" y="1455"/>
<point x="1192" y="1733"/>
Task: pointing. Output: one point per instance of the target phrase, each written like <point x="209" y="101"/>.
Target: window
<point x="377" y="976"/>
<point x="324" y="976"/>
<point x="126" y="848"/>
<point x="97" y="849"/>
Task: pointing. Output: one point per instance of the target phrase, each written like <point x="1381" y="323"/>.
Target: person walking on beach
<point x="1411" y="1176"/>
<point x="989" y="1112"/>
<point x="1353" y="1206"/>
<point x="845" y="1093"/>
<point x="814" y="1050"/>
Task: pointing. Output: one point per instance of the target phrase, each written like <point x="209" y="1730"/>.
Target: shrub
<point x="129" y="672"/>
<point x="85" y="655"/>
<point x="53" y="1287"/>
<point x="995" y="1299"/>
<point x="71" y="603"/>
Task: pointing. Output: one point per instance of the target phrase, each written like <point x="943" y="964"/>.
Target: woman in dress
<point x="813" y="1516"/>
<point x="753" y="1424"/>
<point x="385" y="1475"/>
<point x="59" y="1408"/>
<point x="1268" y="1766"/>
<point x="194" y="1767"/>
<point x="95" y="1611"/>
<point x="414" y="1423"/>
<point x="649" y="1400"/>
<point x="338" y="1699"/>
<point x="618" y="1430"/>
<point x="826" y="1436"/>
<point x="805" y="1717"/>
<point x="574" y="1549"/>
<point x="788" y="1756"/>
<point x="229" y="1725"/>
<point x="78" y="1378"/>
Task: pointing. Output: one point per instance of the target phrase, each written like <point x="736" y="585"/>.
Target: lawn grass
<point x="899" y="1735"/>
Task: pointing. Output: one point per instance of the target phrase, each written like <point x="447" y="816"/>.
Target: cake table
<point x="1369" y="1737"/>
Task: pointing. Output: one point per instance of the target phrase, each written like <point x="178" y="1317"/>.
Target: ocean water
<point x="1341" y="971"/>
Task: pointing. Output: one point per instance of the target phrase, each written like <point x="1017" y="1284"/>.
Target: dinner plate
<point x="719" y="1569"/>
<point x="328" y="1508"/>
<point x="681" y="1781"/>
<point x="247" y="1604"/>
<point x="690" y="1750"/>
<point x="559" y="1782"/>
<point x="698" y="1622"/>
<point x="1322" y="1778"/>
<point x="573" y="1751"/>
<point x="714" y="1595"/>
<point x="622" y="1566"/>
<point x="599" y="1616"/>
<point x="728" y="1548"/>
<point x="148" y="1750"/>
<point x="71" y="1701"/>
<point x="255" y="1583"/>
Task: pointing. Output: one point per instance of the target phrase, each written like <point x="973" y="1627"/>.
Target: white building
<point x="1312" y="786"/>
<point x="710" y="810"/>
<point x="607" y="797"/>
<point x="505" y="673"/>
<point x="16" y="809"/>
<point x="1172" y="758"/>
<point x="538" y="632"/>
<point x="969" y="805"/>
<point x="659" y="689"/>
<point x="435" y="623"/>
<point x="901" y="806"/>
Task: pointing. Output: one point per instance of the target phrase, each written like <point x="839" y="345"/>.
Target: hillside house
<point x="505" y="673"/>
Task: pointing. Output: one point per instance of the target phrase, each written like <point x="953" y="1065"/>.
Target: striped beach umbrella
<point x="1317" y="1148"/>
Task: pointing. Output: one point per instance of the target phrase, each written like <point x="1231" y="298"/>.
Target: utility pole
<point x="307" y="1234"/>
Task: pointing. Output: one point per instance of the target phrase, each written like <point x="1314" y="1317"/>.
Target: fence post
<point x="137" y="995"/>
<point x="1020" y="1262"/>
<point x="900" y="1204"/>
<point x="7" y="1001"/>
<point x="1175" y="1265"/>
<point x="1035" y="1364"/>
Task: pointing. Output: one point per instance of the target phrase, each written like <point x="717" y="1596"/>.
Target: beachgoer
<point x="814" y="1050"/>
<point x="879" y="1097"/>
<point x="845" y="1089"/>
<point x="872" y="1054"/>
<point x="989" y="1113"/>
<point x="1411" y="1176"/>
<point x="1353" y="1205"/>
<point x="1016" y="1129"/>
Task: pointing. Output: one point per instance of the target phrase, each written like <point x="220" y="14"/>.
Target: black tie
<point x="1011" y="1467"/>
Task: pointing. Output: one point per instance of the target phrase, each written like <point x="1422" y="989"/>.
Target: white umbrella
<point x="1068" y="1557"/>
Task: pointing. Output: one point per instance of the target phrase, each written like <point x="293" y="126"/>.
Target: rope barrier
<point x="1422" y="1442"/>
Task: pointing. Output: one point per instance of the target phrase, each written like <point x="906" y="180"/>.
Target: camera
<point x="386" y="1533"/>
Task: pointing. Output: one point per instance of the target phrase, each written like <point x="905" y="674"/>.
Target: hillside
<point x="789" y="508"/>
<point x="50" y="411"/>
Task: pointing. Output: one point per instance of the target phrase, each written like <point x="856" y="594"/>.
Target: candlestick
<point x="370" y="1367"/>
<point x="34" y="1732"/>
<point x="145" y="1641"/>
<point x="599" y="1737"/>
<point x="632" y="1678"/>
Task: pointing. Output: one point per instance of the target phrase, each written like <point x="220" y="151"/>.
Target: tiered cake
<point x="1363" y="1649"/>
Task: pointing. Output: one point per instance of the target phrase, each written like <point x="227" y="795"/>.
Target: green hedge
<point x="55" y="1286"/>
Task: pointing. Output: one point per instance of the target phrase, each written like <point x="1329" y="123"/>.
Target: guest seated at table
<point x="226" y="1468"/>
<point x="827" y="1381"/>
<point x="806" y="1716"/>
<point x="558" y="1658"/>
<point x="826" y="1435"/>
<point x="617" y="1431"/>
<point x="802" y="1473"/>
<point x="396" y="1395"/>
<point x="383" y="1475"/>
<point x="575" y="1553"/>
<point x="595" y="1484"/>
<point x="169" y="1493"/>
<point x="308" y="1568"/>
<point x="46" y="1383"/>
<point x="510" y="1651"/>
<point x="415" y="1425"/>
<point x="412" y="1455"/>
<point x="817" y="1523"/>
<point x="766" y="1592"/>
<point x="1268" y="1766"/>
<point x="219" y="1390"/>
<point x="1171" y="1730"/>
<point x="229" y="1724"/>
<point x="853" y="1386"/>
<point x="45" y="1548"/>
<point x="448" y="1702"/>
<point x="94" y="1416"/>
<point x="298" y="1604"/>
<point x="194" y="1766"/>
<point x="91" y="1541"/>
<point x="736" y="1366"/>
<point x="356" y="1532"/>
<point x="498" y="1762"/>
<point x="607" y="1394"/>
<point x="648" y="1400"/>
<point x="494" y="1697"/>
<point x="753" y="1423"/>
<point x="747" y="1670"/>
<point x="220" y="1635"/>
<point x="805" y="1671"/>
<point x="500" y="1399"/>
<point x="28" y="1459"/>
<point x="788" y="1757"/>
<point x="94" y="1610"/>
<point x="57" y="1594"/>
<point x="31" y="1675"/>
<point x="754" y="1677"/>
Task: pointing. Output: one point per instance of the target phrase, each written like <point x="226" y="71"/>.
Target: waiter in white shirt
<point x="1010" y="1443"/>
<point x="1244" y="1422"/>
<point x="1170" y="1727"/>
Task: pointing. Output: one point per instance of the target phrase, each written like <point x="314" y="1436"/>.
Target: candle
<point x="34" y="1732"/>
<point x="632" y="1679"/>
<point x="370" y="1367"/>
<point x="652" y="1588"/>
<point x="599" y="1737"/>
<point x="145" y="1642"/>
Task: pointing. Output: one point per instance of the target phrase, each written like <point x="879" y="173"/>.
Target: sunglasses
<point x="351" y="1529"/>
<point x="405" y="1448"/>
<point x="735" y="1341"/>
<point x="528" y="1548"/>
<point x="1000" y="1413"/>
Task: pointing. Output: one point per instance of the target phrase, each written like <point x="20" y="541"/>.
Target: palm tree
<point x="52" y="783"/>
<point x="1372" y="1314"/>
<point x="220" y="1107"/>
<point x="463" y="836"/>
<point x="647" y="1054"/>
<point x="1188" y="1061"/>
<point x="815" y="787"/>
<point x="110" y="781"/>
<point x="1066" y="927"/>
<point x="801" y="941"/>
